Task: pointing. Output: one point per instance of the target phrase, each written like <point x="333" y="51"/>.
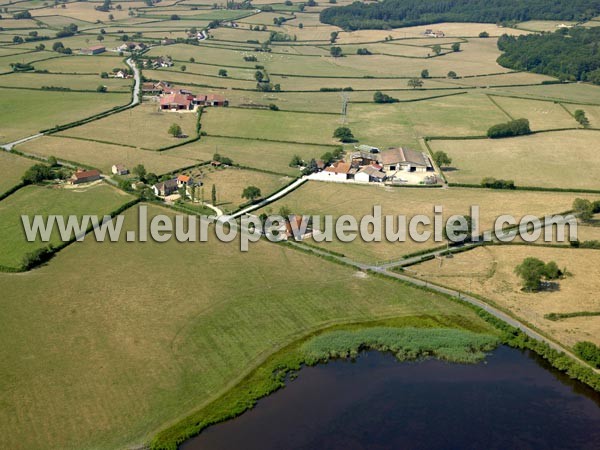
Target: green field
<point x="103" y="156"/>
<point x="73" y="82"/>
<point x="46" y="200"/>
<point x="51" y="109"/>
<point x="542" y="160"/>
<point x="143" y="126"/>
<point x="542" y="115"/>
<point x="12" y="168"/>
<point x="138" y="352"/>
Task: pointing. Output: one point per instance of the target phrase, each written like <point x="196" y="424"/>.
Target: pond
<point x="512" y="400"/>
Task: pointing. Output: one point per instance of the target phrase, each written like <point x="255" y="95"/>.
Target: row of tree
<point x="405" y="13"/>
<point x="517" y="127"/>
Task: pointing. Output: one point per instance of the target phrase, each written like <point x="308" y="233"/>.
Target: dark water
<point x="512" y="401"/>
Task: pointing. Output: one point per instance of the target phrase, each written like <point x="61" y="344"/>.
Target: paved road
<point x="134" y="101"/>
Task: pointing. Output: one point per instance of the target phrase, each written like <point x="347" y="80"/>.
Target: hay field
<point x="542" y="115"/>
<point x="103" y="156"/>
<point x="143" y="126"/>
<point x="562" y="159"/>
<point x="338" y="199"/>
<point x="138" y="352"/>
<point x="51" y="108"/>
<point x="570" y="92"/>
<point x="591" y="112"/>
<point x="45" y="200"/>
<point x="489" y="272"/>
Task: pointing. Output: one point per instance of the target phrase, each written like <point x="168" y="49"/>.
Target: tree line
<point x="568" y="54"/>
<point x="406" y="13"/>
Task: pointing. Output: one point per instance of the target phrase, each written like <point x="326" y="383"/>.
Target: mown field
<point x="489" y="272"/>
<point x="144" y="126"/>
<point x="45" y="200"/>
<point x="129" y="354"/>
<point x="562" y="159"/>
<point x="51" y="109"/>
<point x="103" y="156"/>
<point x="340" y="199"/>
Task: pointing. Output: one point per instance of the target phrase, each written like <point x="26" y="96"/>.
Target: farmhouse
<point x="84" y="176"/>
<point x="119" y="169"/>
<point x="177" y="102"/>
<point x="370" y="174"/>
<point x="339" y="171"/>
<point x="434" y="33"/>
<point x="154" y="88"/>
<point x="184" y="181"/>
<point x="131" y="47"/>
<point x="179" y="99"/>
<point x="401" y="159"/>
<point x="94" y="50"/>
<point x="165" y="188"/>
<point x="362" y="158"/>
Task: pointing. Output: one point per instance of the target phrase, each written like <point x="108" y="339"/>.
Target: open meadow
<point x="542" y="160"/>
<point x="128" y="354"/>
<point x="102" y="156"/>
<point x="489" y="272"/>
<point x="322" y="198"/>
<point x="46" y="200"/>
<point x="12" y="168"/>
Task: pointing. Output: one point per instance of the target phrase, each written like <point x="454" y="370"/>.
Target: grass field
<point x="591" y="112"/>
<point x="103" y="156"/>
<point x="74" y="82"/>
<point x="542" y="115"/>
<point x="130" y="354"/>
<point x="272" y="156"/>
<point x="536" y="160"/>
<point x="489" y="272"/>
<point x="230" y="183"/>
<point x="98" y="199"/>
<point x="51" y="109"/>
<point x="338" y="199"/>
<point x="271" y="125"/>
<point x="12" y="168"/>
<point x="143" y="126"/>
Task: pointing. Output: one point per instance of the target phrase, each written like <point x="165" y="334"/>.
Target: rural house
<point x="184" y="181"/>
<point x="94" y="50"/>
<point x="84" y="176"/>
<point x="370" y="174"/>
<point x="339" y="171"/>
<point x="401" y="159"/>
<point x="119" y="169"/>
<point x="177" y="102"/>
<point x="165" y="188"/>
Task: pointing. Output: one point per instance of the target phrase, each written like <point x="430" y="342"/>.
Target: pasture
<point x="489" y="272"/>
<point x="103" y="156"/>
<point x="137" y="352"/>
<point x="542" y="160"/>
<point x="51" y="109"/>
<point x="542" y="115"/>
<point x="12" y="168"/>
<point x="143" y="127"/>
<point x="45" y="200"/>
<point x="322" y="198"/>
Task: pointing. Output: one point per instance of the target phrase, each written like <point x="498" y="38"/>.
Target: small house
<point x="339" y="171"/>
<point x="119" y="169"/>
<point x="369" y="174"/>
<point x="184" y="181"/>
<point x="165" y="188"/>
<point x="85" y="176"/>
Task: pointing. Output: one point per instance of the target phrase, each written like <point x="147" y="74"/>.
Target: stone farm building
<point x="119" y="169"/>
<point x="84" y="176"/>
<point x="165" y="188"/>
<point x="95" y="50"/>
<point x="174" y="99"/>
<point x="403" y="159"/>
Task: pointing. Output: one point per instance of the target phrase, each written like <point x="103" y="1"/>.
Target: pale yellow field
<point x="358" y="201"/>
<point x="565" y="159"/>
<point x="103" y="156"/>
<point x="86" y="11"/>
<point x="542" y="115"/>
<point x="489" y="272"/>
<point x="143" y="126"/>
<point x="591" y="112"/>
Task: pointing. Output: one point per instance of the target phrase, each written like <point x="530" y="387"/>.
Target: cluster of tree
<point x="21" y="67"/>
<point x="586" y="209"/>
<point x="363" y="52"/>
<point x="452" y="74"/>
<point x="277" y="36"/>
<point x="222" y="159"/>
<point x="22" y="15"/>
<point x="333" y="37"/>
<point x="223" y="72"/>
<point x="580" y="117"/>
<point x="265" y="86"/>
<point x="37" y="173"/>
<point x="405" y="13"/>
<point x="278" y="21"/>
<point x="442" y="159"/>
<point x="589" y="352"/>
<point x="380" y="97"/>
<point x="568" y="54"/>
<point x="336" y="52"/>
<point x="327" y="89"/>
<point x="517" y="127"/>
<point x="493" y="183"/>
<point x="533" y="270"/>
<point x="258" y="27"/>
<point x="329" y="157"/>
<point x="67" y="31"/>
<point x="105" y="7"/>
<point x="415" y="83"/>
<point x="60" y="48"/>
<point x="175" y="130"/>
<point x="251" y="193"/>
<point x="344" y="134"/>
<point x="250" y="58"/>
<point x="37" y="257"/>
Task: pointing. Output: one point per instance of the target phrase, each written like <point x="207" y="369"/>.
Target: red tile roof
<point x="86" y="174"/>
<point x="176" y="99"/>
